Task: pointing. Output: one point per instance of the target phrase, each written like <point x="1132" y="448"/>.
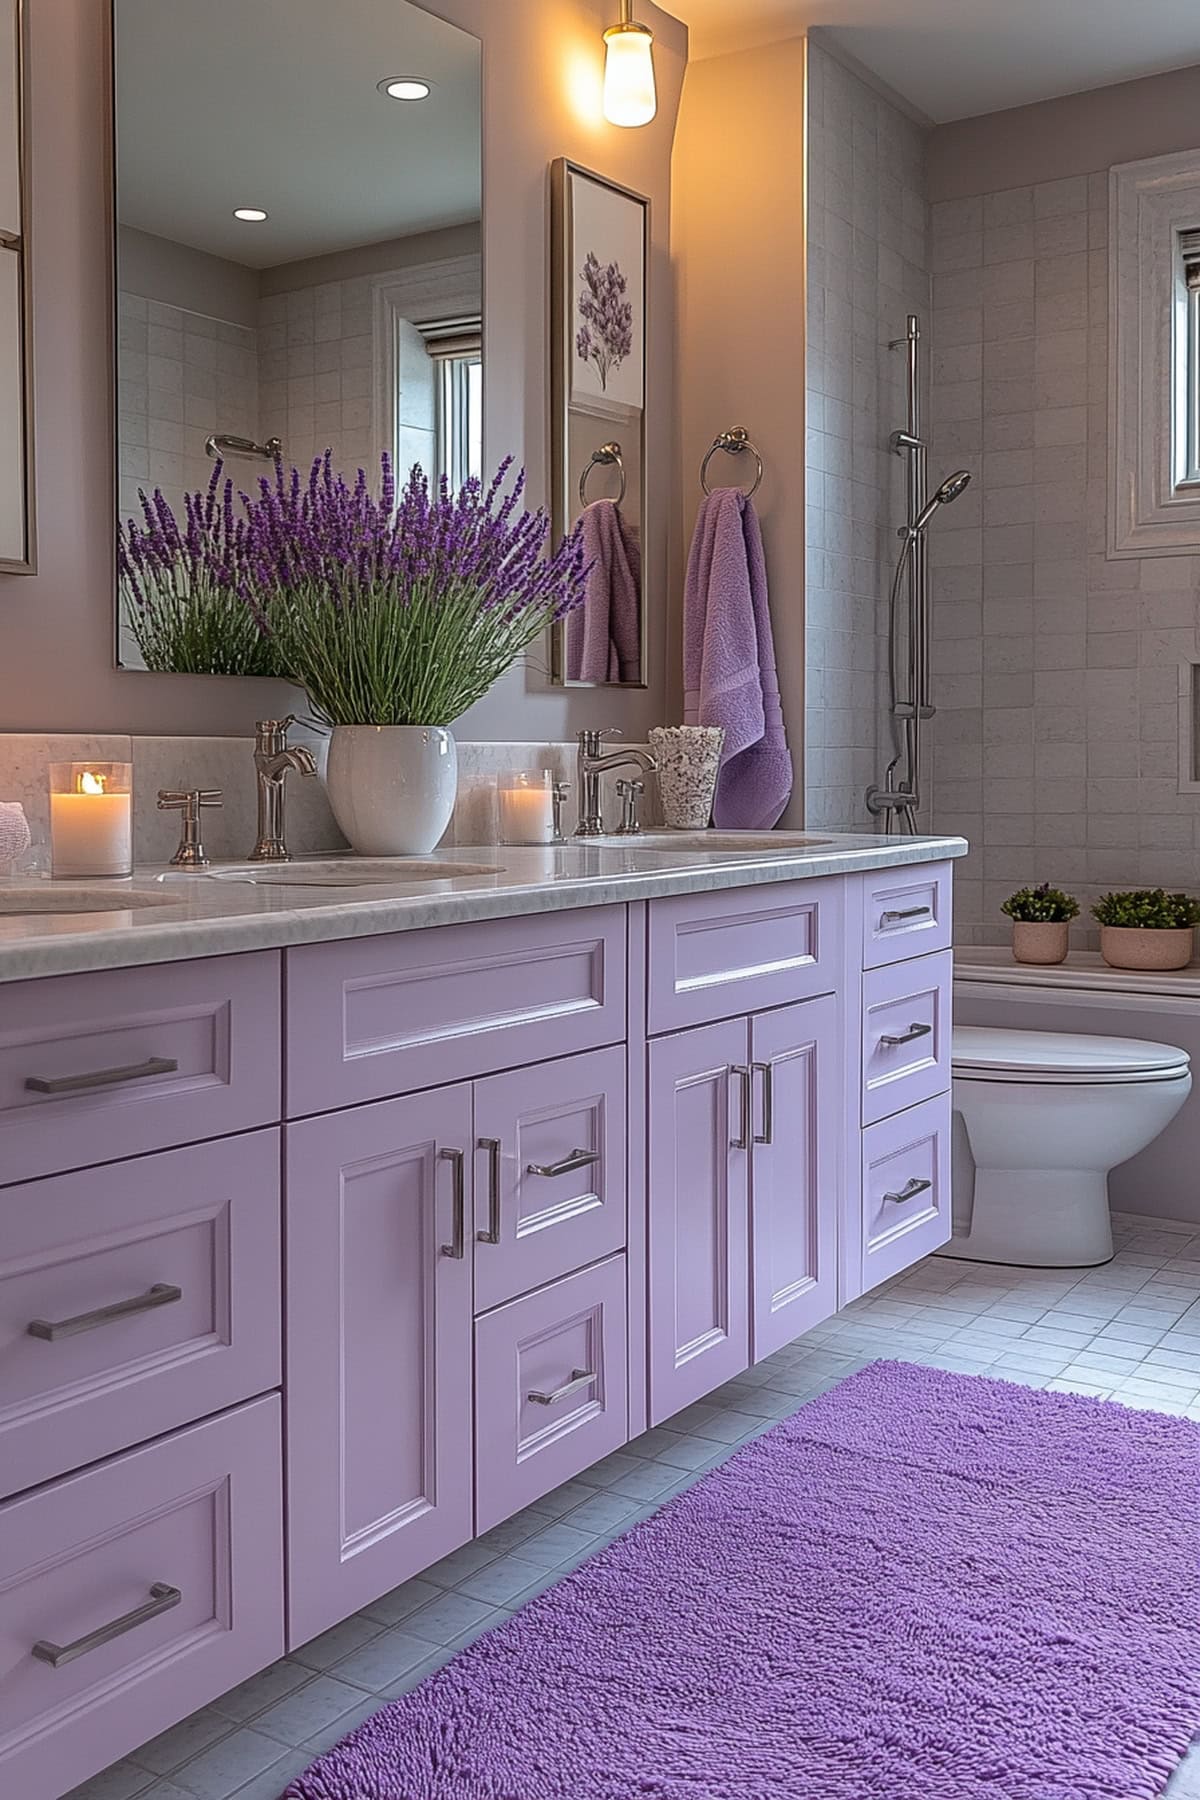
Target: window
<point x="456" y="349"/>
<point x="1189" y="354"/>
<point x="1154" y="326"/>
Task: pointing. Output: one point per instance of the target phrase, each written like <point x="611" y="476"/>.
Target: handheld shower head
<point x="949" y="491"/>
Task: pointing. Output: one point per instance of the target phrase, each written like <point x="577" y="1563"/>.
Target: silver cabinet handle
<point x="767" y="1071"/>
<point x="742" y="1141"/>
<point x="907" y="1037"/>
<point x="79" y="1084"/>
<point x="49" y="1330"/>
<point x="909" y="912"/>
<point x="578" y="1159"/>
<point x="457" y="1248"/>
<point x="162" y="1599"/>
<point x="909" y="1191"/>
<point x="492" y="1234"/>
<point x="580" y="1378"/>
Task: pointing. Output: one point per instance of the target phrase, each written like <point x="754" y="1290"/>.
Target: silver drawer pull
<point x="743" y="1075"/>
<point x="162" y="1599"/>
<point x="907" y="1037"/>
<point x="161" y="1294"/>
<point x="493" y="1147"/>
<point x="909" y="1191"/>
<point x="79" y="1084"/>
<point x="578" y="1159"/>
<point x="910" y="912"/>
<point x="580" y="1378"/>
<point x="457" y="1248"/>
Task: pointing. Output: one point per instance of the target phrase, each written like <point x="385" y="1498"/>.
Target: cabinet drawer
<point x="159" y="1574"/>
<point x="712" y="956"/>
<point x="906" y="1034"/>
<point x="551" y="1389"/>
<point x="135" y="1298"/>
<point x="96" y="1067"/>
<point x="906" y="912"/>
<point x="549" y="1172"/>
<point x="417" y="1009"/>
<point x="905" y="1190"/>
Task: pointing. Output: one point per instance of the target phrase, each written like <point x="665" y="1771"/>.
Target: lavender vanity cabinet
<point x="378" y="1383"/>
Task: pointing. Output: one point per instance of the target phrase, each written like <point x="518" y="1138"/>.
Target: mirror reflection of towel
<point x="604" y="635"/>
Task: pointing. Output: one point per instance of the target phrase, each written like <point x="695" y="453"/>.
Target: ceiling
<point x="954" y="59"/>
<point x="274" y="104"/>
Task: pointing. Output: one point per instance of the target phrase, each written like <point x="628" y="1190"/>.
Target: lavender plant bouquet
<point x="184" y="592"/>
<point x="403" y="609"/>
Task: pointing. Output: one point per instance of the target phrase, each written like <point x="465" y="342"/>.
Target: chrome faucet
<point x="273" y="757"/>
<point x="591" y="763"/>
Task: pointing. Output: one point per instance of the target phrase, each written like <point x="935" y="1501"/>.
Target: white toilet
<point x="1040" y="1117"/>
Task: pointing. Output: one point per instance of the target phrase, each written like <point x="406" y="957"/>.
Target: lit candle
<point x="527" y="808"/>
<point x="91" y="819"/>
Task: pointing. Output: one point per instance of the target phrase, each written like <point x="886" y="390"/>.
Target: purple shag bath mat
<point x="923" y="1586"/>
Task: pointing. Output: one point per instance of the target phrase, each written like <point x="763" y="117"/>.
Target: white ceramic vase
<point x="392" y="787"/>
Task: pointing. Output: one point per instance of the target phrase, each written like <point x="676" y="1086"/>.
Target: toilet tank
<point x="1085" y="995"/>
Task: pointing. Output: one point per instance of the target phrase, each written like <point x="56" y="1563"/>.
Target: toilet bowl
<point x="1040" y="1117"/>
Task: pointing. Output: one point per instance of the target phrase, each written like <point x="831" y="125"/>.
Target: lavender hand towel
<point x="729" y="663"/>
<point x="604" y="635"/>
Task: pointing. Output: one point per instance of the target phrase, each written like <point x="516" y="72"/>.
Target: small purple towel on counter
<point x="729" y="663"/>
<point x="604" y="635"/>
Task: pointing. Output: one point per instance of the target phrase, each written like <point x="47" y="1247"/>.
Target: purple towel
<point x="604" y="635"/>
<point x="729" y="663"/>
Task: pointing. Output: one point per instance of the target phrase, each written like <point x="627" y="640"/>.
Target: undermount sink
<point x="19" y="902"/>
<point x="781" y="843"/>
<point x="352" y="872"/>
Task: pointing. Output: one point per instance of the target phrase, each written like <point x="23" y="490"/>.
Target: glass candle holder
<point x="525" y="806"/>
<point x="91" y="819"/>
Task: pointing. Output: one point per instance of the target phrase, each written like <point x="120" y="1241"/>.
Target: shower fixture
<point x="898" y="799"/>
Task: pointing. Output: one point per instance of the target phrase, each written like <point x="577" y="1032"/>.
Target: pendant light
<point x="630" y="97"/>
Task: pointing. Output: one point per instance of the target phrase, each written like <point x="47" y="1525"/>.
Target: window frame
<point x="1154" y="356"/>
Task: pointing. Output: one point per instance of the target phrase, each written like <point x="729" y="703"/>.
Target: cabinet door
<point x="799" y="1113"/>
<point x="379" y="1313"/>
<point x="550" y="1172"/>
<point x="699" y="1178"/>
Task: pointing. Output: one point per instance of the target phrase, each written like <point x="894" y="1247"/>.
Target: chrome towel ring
<point x="733" y="443"/>
<point x="605" y="457"/>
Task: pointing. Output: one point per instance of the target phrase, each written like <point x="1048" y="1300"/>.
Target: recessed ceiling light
<point x="406" y="87"/>
<point x="254" y="215"/>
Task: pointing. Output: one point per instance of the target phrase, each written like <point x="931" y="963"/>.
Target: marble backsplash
<point x="228" y="764"/>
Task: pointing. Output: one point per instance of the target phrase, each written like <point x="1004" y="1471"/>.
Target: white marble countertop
<point x="209" y="917"/>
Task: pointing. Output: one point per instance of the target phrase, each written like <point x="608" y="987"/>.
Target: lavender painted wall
<point x="541" y="100"/>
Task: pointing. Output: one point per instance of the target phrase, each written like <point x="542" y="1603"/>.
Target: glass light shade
<point x="630" y="96"/>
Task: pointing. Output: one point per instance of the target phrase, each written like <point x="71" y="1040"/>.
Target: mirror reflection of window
<point x="298" y="251"/>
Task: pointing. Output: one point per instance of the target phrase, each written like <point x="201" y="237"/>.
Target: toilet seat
<point x="1064" y="1059"/>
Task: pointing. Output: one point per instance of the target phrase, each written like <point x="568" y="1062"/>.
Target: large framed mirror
<point x="298" y="259"/>
<point x="600" y="293"/>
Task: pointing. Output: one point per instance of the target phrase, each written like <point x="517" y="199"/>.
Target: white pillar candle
<point x="91" y="819"/>
<point x="526" y="806"/>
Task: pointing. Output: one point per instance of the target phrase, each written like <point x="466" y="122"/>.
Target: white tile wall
<point x="1056" y="747"/>
<point x="868" y="270"/>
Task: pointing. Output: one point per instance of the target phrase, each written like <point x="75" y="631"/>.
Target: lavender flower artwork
<point x="605" y="336"/>
<point x="403" y="609"/>
<point x="185" y="590"/>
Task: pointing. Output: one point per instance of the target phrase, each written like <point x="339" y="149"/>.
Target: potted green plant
<point x="1041" y="919"/>
<point x="1146" y="928"/>
<point x="396" y="614"/>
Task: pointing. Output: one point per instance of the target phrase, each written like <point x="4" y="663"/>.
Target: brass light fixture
<point x="630" y="96"/>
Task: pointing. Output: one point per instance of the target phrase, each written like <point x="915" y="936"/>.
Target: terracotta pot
<point x="1139" y="947"/>
<point x="1040" y="940"/>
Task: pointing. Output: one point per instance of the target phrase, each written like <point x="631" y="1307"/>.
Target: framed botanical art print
<point x="601" y="235"/>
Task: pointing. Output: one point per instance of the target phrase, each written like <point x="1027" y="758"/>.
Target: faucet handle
<point x="190" y="854"/>
<point x="629" y="794"/>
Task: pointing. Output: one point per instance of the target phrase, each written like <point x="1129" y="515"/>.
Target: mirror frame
<point x="562" y="173"/>
<point x="22" y="248"/>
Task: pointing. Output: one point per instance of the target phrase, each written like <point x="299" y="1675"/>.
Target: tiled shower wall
<point x="1056" y="745"/>
<point x="867" y="270"/>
